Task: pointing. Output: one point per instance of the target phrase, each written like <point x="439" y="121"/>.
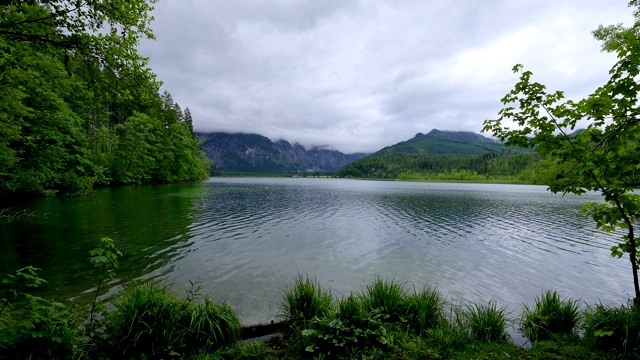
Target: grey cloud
<point x="361" y="75"/>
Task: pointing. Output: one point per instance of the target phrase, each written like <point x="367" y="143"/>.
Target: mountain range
<point x="252" y="153"/>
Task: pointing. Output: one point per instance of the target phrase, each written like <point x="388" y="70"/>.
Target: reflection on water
<point x="243" y="239"/>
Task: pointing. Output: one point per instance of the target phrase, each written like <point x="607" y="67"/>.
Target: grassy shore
<point x="385" y="319"/>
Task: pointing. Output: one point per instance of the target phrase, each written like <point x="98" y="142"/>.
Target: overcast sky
<point x="361" y="75"/>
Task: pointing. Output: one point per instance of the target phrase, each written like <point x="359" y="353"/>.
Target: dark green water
<point x="244" y="239"/>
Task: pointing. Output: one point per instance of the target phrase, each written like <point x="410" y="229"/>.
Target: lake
<point x="243" y="239"/>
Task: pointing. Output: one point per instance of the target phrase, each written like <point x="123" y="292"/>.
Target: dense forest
<point x="79" y="107"/>
<point x="518" y="167"/>
<point x="450" y="155"/>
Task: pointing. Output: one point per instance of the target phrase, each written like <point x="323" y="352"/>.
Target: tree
<point x="188" y="120"/>
<point x="101" y="31"/>
<point x="594" y="142"/>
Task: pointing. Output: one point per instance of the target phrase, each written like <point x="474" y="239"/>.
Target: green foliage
<point x="613" y="328"/>
<point x="304" y="300"/>
<point x="104" y="260"/>
<point x="485" y="322"/>
<point x="425" y="309"/>
<point x="36" y="327"/>
<point x="78" y="106"/>
<point x="386" y="297"/>
<point x="602" y="157"/>
<point x="550" y="315"/>
<point x="511" y="167"/>
<point x="149" y="321"/>
<point x="333" y="336"/>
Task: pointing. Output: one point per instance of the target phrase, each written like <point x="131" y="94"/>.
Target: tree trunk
<point x="634" y="266"/>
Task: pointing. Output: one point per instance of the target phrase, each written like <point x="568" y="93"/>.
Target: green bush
<point x="549" y="315"/>
<point x="611" y="328"/>
<point x="485" y="322"/>
<point x="48" y="330"/>
<point x="304" y="300"/>
<point x="34" y="327"/>
<point x="150" y="322"/>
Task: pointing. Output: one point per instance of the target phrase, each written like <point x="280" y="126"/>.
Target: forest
<point x="79" y="106"/>
<point x="520" y="167"/>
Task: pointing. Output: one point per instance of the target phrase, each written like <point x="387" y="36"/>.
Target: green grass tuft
<point x="304" y="300"/>
<point x="386" y="297"/>
<point x="425" y="309"/>
<point x="485" y="322"/>
<point x="549" y="316"/>
<point x="613" y="328"/>
<point x="150" y="322"/>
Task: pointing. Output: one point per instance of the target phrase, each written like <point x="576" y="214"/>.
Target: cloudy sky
<point x="360" y="75"/>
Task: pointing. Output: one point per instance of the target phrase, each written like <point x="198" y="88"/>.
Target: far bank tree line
<point x="528" y="167"/>
<point x="78" y="105"/>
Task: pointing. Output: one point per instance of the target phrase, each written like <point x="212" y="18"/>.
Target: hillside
<point x="252" y="153"/>
<point x="442" y="152"/>
<point x="439" y="142"/>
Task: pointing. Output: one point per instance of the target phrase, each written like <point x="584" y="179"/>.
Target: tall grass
<point x="304" y="300"/>
<point x="613" y="328"/>
<point x="485" y="322"/>
<point x="149" y="321"/>
<point x="425" y="309"/>
<point x="549" y="315"/>
<point x="386" y="297"/>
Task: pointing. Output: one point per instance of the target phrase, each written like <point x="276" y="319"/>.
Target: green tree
<point x="188" y="120"/>
<point x="105" y="32"/>
<point x="594" y="141"/>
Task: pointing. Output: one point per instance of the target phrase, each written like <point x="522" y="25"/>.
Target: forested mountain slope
<point x="443" y="155"/>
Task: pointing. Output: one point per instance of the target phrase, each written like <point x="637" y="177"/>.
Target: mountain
<point x="442" y="152"/>
<point x="439" y="142"/>
<point x="252" y="153"/>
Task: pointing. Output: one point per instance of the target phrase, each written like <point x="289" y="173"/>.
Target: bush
<point x="150" y="322"/>
<point x="34" y="327"/>
<point x="611" y="328"/>
<point x="48" y="331"/>
<point x="550" y="315"/>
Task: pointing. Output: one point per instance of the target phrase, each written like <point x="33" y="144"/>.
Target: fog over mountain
<point x="359" y="75"/>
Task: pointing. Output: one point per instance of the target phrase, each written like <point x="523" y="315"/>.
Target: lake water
<point x="243" y="239"/>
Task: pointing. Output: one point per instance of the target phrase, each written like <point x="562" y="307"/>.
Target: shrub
<point x="485" y="322"/>
<point x="611" y="328"/>
<point x="304" y="300"/>
<point x="34" y="327"/>
<point x="550" y="315"/>
<point x="150" y="322"/>
<point x="48" y="331"/>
